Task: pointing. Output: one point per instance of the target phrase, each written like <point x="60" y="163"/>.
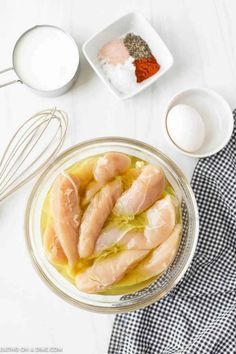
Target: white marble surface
<point x="202" y="37"/>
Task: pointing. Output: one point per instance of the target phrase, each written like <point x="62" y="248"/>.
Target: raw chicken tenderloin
<point x="114" y="236"/>
<point x="145" y="190"/>
<point x="108" y="238"/>
<point x="161" y="219"/>
<point x="110" y="165"/>
<point x="94" y="186"/>
<point x="163" y="256"/>
<point x="91" y="189"/>
<point x="108" y="271"/>
<point x="52" y="246"/>
<point x="66" y="214"/>
<point x="95" y="216"/>
<point x="159" y="260"/>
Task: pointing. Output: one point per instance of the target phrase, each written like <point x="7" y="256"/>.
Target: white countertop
<point x="202" y="38"/>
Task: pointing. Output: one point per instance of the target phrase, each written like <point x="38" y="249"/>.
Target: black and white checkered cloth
<point x="199" y="315"/>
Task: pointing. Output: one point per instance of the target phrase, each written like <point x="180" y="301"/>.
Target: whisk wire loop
<point x="31" y="149"/>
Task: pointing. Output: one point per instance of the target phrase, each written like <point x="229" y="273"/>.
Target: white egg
<point x="186" y="127"/>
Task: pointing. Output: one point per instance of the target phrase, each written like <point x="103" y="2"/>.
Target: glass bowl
<point x="112" y="303"/>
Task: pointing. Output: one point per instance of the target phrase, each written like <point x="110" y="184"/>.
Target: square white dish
<point x="137" y="24"/>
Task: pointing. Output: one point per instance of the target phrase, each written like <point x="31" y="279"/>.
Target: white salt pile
<point x="121" y="76"/>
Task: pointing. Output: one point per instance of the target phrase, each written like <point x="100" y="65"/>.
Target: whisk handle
<point x="9" y="82"/>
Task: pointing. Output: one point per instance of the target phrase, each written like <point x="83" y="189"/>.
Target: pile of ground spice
<point x="145" y="67"/>
<point x="137" y="47"/>
<point x="145" y="63"/>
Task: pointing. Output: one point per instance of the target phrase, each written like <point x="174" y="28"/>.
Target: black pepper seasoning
<point x="137" y="47"/>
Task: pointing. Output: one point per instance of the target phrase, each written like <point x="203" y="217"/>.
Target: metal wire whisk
<point x="31" y="149"/>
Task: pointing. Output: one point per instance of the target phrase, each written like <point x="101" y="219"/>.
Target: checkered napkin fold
<point x="199" y="315"/>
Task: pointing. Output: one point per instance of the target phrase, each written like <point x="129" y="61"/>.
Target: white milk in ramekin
<point x="46" y="59"/>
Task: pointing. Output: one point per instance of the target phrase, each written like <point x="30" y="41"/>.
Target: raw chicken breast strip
<point x="52" y="246"/>
<point x="161" y="219"/>
<point x="66" y="214"/>
<point x="163" y="256"/>
<point x="95" y="216"/>
<point x="158" y="261"/>
<point x="145" y="190"/>
<point x="110" y="165"/>
<point x="107" y="167"/>
<point x="108" y="271"/>
<point x="108" y="238"/>
<point x="91" y="189"/>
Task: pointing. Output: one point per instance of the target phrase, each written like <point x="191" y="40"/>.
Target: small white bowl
<point x="216" y="114"/>
<point x="136" y="23"/>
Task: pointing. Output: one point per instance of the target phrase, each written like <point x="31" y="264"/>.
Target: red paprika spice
<point x="145" y="67"/>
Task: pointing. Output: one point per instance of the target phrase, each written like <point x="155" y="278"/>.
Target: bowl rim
<point x="218" y="98"/>
<point x="126" y="307"/>
<point x="104" y="80"/>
